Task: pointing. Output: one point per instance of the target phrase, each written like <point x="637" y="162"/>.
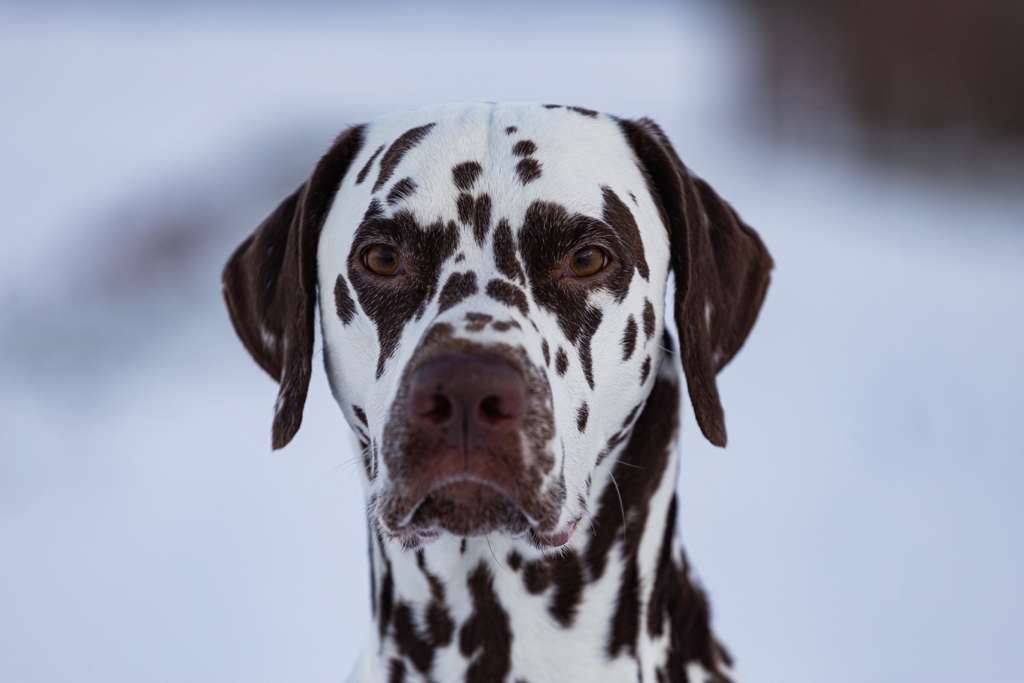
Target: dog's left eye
<point x="382" y="260"/>
<point x="586" y="262"/>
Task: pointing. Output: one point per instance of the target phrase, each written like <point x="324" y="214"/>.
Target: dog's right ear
<point x="721" y="266"/>
<point x="270" y="284"/>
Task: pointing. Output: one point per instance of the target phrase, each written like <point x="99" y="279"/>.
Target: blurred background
<point x="865" y="522"/>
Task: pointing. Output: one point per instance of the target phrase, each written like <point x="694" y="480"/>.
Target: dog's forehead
<point x="515" y="153"/>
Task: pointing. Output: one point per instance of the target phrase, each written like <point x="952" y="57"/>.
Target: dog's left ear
<point x="721" y="267"/>
<point x="270" y="284"/>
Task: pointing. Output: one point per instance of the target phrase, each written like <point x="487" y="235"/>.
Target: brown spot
<point x="568" y="578"/>
<point x="581" y="417"/>
<point x="637" y="475"/>
<point x="343" y="304"/>
<point x="508" y="294"/>
<point x="360" y="414"/>
<point x="537" y="576"/>
<point x="514" y="560"/>
<point x="397" y="150"/>
<point x="477" y="321"/>
<point x="465" y="205"/>
<point x="620" y="218"/>
<point x="590" y="320"/>
<point x="373" y="210"/>
<point x="645" y="370"/>
<point x="486" y="637"/>
<point x="505" y="325"/>
<point x="440" y="627"/>
<point x="409" y="641"/>
<point x="396" y="670"/>
<point x="528" y="170"/>
<point x="626" y="619"/>
<point x="586" y="112"/>
<point x="482" y="218"/>
<point x="676" y="601"/>
<point x="510" y="130"/>
<point x="475" y="212"/>
<point x="546" y="351"/>
<point x="505" y="253"/>
<point x="465" y="174"/>
<point x="419" y="646"/>
<point x="392" y="302"/>
<point x="649" y="319"/>
<point x="549" y="235"/>
<point x="552" y="106"/>
<point x="366" y="169"/>
<point x="458" y="287"/>
<point x="629" y="338"/>
<point x="400" y="190"/>
<point x="524" y="148"/>
<point x="561" y="361"/>
<point x="387" y="596"/>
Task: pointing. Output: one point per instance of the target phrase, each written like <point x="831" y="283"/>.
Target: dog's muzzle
<point x="466" y="447"/>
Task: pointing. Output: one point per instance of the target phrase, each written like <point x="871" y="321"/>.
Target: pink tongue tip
<point x="558" y="538"/>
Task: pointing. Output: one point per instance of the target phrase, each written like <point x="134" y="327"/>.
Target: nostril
<point x="490" y="409"/>
<point x="436" y="407"/>
<point x="442" y="410"/>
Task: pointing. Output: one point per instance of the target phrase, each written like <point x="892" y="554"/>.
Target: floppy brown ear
<point x="721" y="266"/>
<point x="270" y="284"/>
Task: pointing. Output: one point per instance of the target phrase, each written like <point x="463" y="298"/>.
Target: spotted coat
<point x="575" y="573"/>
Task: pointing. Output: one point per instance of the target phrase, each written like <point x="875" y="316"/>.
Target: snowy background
<point x="864" y="524"/>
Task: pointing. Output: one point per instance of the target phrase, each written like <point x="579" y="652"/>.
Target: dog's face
<point x="491" y="280"/>
<point x="488" y="287"/>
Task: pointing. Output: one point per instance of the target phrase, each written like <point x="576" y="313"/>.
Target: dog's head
<point x="491" y="280"/>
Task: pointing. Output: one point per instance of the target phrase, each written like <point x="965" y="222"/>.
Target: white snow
<point x="863" y="524"/>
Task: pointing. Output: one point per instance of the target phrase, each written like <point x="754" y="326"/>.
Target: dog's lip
<point x="559" y="538"/>
<point x="459" y="479"/>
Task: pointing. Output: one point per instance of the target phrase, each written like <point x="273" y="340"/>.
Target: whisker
<point x="621" y="508"/>
<point x="488" y="539"/>
<point x="354" y="460"/>
<point x="629" y="464"/>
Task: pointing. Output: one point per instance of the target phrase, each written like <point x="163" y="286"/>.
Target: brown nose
<point x="465" y="401"/>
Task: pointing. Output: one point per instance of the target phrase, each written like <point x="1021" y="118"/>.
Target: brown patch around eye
<point x="382" y="260"/>
<point x="587" y="261"/>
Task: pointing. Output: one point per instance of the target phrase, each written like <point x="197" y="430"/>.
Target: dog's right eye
<point x="382" y="260"/>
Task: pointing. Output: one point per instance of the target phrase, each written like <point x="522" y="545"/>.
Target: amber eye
<point x="587" y="261"/>
<point x="382" y="260"/>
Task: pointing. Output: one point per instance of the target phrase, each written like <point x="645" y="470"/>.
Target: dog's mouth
<point x="467" y="506"/>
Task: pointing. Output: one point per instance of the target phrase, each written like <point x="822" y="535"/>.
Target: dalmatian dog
<point x="491" y="281"/>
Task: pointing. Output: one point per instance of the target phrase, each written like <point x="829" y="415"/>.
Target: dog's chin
<point x="468" y="508"/>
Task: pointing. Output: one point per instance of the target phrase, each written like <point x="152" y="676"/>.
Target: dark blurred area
<point x="900" y="77"/>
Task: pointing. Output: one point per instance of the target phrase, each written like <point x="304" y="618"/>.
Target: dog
<point x="491" y="281"/>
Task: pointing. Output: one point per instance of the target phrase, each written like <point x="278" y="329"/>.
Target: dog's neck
<point x="617" y="603"/>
